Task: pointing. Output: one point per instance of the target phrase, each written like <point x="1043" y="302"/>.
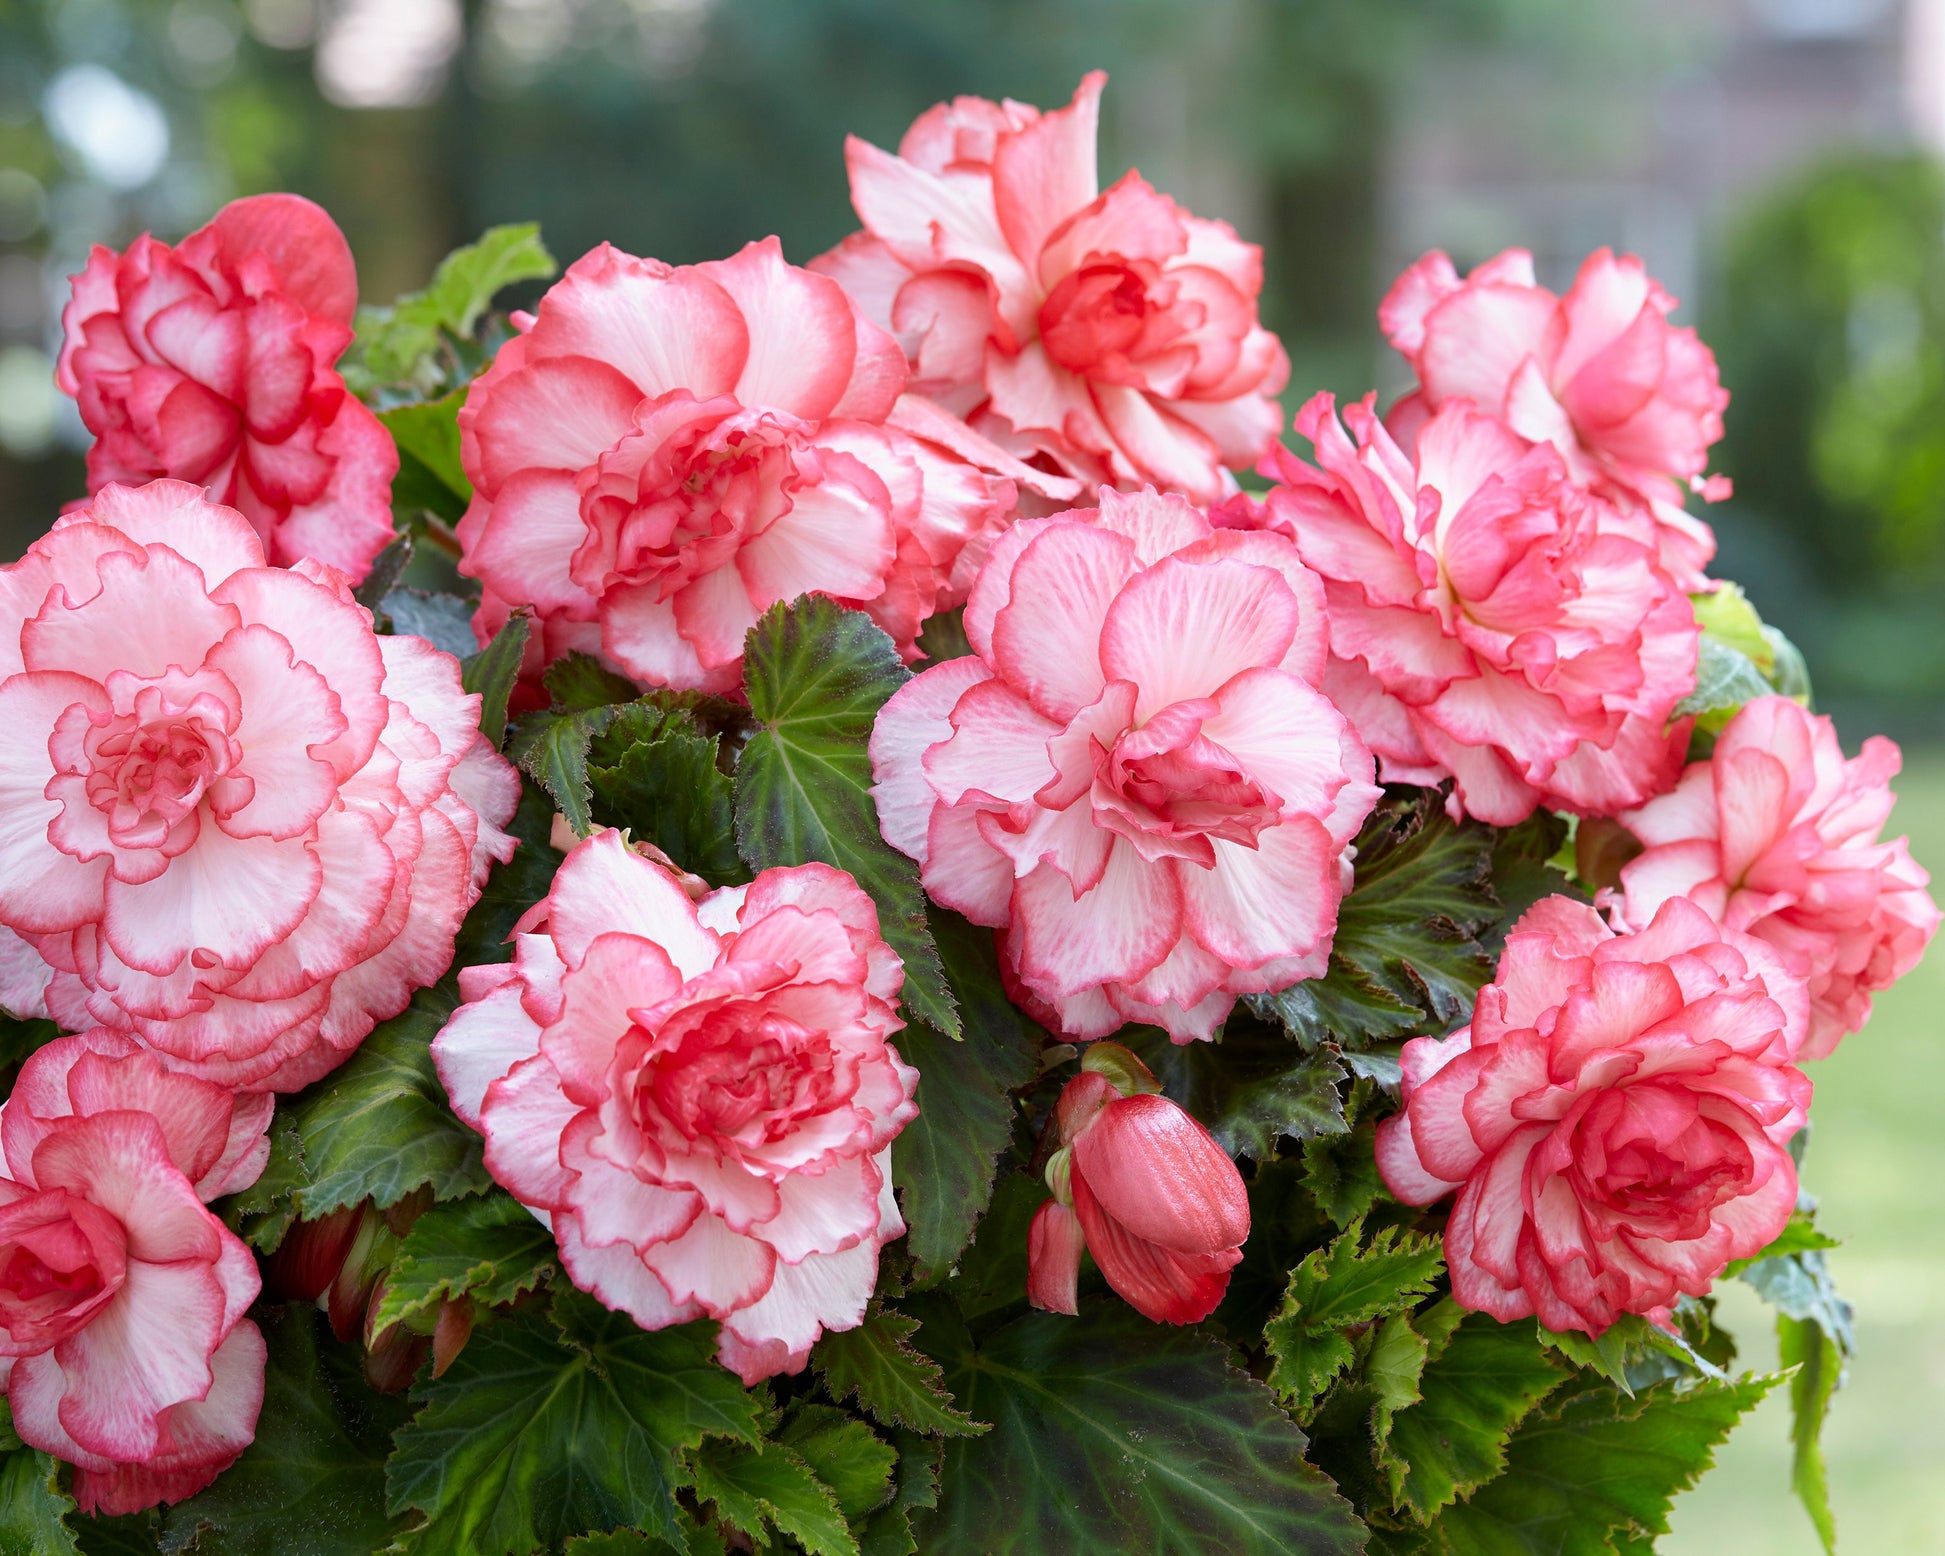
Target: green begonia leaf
<point x="1596" y="1473"/>
<point x="1114" y="1434"/>
<point x="552" y="749"/>
<point x="1334" y="1288"/>
<point x="817" y="675"/>
<point x="577" y="680"/>
<point x="893" y="1383"/>
<point x="379" y="1125"/>
<point x="1404" y="960"/>
<point x="1250" y="1087"/>
<point x="312" y="1480"/>
<point x="844" y="1453"/>
<point x="263" y="1212"/>
<point x="1819" y="1360"/>
<point x="512" y="887"/>
<point x="33" y="1508"/>
<point x="395" y="346"/>
<point x="489" y="1247"/>
<point x="492" y="672"/>
<point x="655" y="772"/>
<point x="757" y="1487"/>
<point x="944" y="1160"/>
<point x="426" y="433"/>
<point x="1480" y="1380"/>
<point x="545" y="1428"/>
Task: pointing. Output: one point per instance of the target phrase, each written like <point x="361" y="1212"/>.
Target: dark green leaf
<point x="944" y="1160"/>
<point x="888" y="1532"/>
<point x="1114" y="1434"/>
<point x="33" y="1507"/>
<point x="1524" y="870"/>
<point x="378" y="1127"/>
<point x="263" y="1212"/>
<point x="512" y="887"/>
<point x="579" y="680"/>
<point x="1341" y="1170"/>
<point x="541" y="1429"/>
<point x="20" y="1037"/>
<point x="443" y="620"/>
<point x="896" y="1385"/>
<point x="428" y="433"/>
<point x="492" y="671"/>
<point x="1597" y="1471"/>
<point x="696" y="1541"/>
<point x="384" y="574"/>
<point x="490" y="1248"/>
<point x="1249" y="1088"/>
<point x="1284" y="1225"/>
<point x="655" y="772"/>
<point x="1480" y="1381"/>
<point x="1802" y="1344"/>
<point x="817" y="675"/>
<point x="757" y="1487"/>
<point x="1405" y="960"/>
<point x="552" y="748"/>
<point x="844" y="1453"/>
<point x="1335" y="1287"/>
<point x="991" y="1273"/>
<point x="312" y="1480"/>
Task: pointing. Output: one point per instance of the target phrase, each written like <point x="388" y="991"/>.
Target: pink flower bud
<point x="1158" y="1202"/>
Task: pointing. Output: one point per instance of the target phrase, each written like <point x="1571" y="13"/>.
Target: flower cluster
<point x="243" y="821"/>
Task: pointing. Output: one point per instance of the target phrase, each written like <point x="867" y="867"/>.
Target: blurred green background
<point x="1775" y="162"/>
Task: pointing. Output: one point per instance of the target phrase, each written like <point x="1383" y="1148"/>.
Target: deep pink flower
<point x="1489" y="619"/>
<point x="1614" y="1120"/>
<point x="1134" y="774"/>
<point x="1777" y="834"/>
<point x="1632" y="401"/>
<point x="123" y="1345"/>
<point x="213" y="362"/>
<point x="238" y="824"/>
<point x="1114" y="334"/>
<point x="1157" y="1202"/>
<point x="698" y="1097"/>
<point x="666" y="452"/>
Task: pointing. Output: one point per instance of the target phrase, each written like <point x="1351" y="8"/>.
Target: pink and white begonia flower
<point x="665" y="452"/>
<point x="1777" y="834"/>
<point x="1112" y="334"/>
<point x="1615" y="1120"/>
<point x="1490" y="620"/>
<point x="698" y="1097"/>
<point x="123" y="1345"/>
<point x="213" y="362"/>
<point x="1133" y="775"/>
<point x="1632" y="402"/>
<point x="1144" y="1188"/>
<point x="236" y="822"/>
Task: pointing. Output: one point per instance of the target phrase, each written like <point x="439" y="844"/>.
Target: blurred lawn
<point x="1877" y="1163"/>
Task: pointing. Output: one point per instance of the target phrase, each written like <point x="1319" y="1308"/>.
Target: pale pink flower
<point x="666" y="452"/>
<point x="1631" y="401"/>
<point x="698" y="1097"/>
<point x="1615" y="1120"/>
<point x="213" y="362"/>
<point x="1111" y="333"/>
<point x="123" y="1345"/>
<point x="1134" y="774"/>
<point x="1490" y="620"/>
<point x="238" y="824"/>
<point x="1141" y="1186"/>
<point x="1777" y="834"/>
